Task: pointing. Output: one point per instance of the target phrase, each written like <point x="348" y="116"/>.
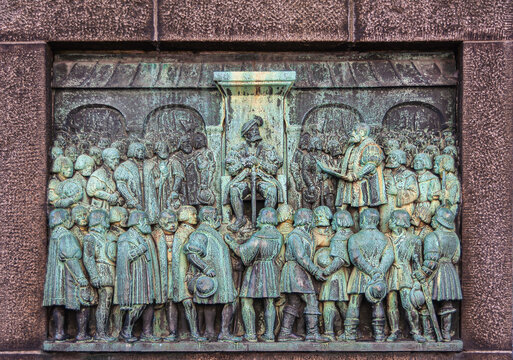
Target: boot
<point x="378" y="326"/>
<point x="312" y="330"/>
<point x="393" y="321"/>
<point x="192" y="319"/>
<point x="429" y="333"/>
<point x="413" y="319"/>
<point x="446" y="327"/>
<point x="286" y="329"/>
<point x="350" y="326"/>
<point x="82" y="322"/>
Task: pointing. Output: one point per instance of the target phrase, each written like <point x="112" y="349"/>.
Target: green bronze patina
<point x="350" y="161"/>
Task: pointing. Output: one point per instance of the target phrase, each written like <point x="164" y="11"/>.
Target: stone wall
<point x="480" y="32"/>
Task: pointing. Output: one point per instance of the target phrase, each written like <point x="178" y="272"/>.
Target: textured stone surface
<point x="23" y="142"/>
<point x="487" y="184"/>
<point x="257" y="20"/>
<point x="68" y="20"/>
<point x="424" y="20"/>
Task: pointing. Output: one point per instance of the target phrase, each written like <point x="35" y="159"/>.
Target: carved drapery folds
<point x="224" y="200"/>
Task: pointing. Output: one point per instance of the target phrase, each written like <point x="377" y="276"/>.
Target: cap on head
<point x="255" y="120"/>
<point x="58" y="217"/>
<point x="444" y="217"/>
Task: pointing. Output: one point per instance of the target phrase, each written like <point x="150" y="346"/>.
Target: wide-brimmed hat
<point x="417" y="297"/>
<point x="376" y="290"/>
<point x="205" y="286"/>
<point x="445" y="217"/>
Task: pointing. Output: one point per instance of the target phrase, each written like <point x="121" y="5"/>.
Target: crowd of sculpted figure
<point x="376" y="224"/>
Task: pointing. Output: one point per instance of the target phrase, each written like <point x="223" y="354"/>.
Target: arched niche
<point x="331" y="121"/>
<point x="414" y="116"/>
<point x="102" y="120"/>
<point x="172" y="122"/>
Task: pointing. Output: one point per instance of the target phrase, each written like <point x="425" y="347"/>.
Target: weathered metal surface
<point x="348" y="160"/>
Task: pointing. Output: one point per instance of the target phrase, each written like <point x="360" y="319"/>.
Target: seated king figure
<point x="252" y="163"/>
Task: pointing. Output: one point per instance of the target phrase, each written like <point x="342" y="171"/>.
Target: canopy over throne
<point x="250" y="95"/>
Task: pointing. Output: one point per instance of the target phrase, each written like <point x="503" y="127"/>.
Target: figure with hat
<point x="66" y="285"/>
<point x="136" y="182"/>
<point x="362" y="183"/>
<point x="399" y="277"/>
<point x="101" y="186"/>
<point x="371" y="254"/>
<point x="441" y="256"/>
<point x="134" y="274"/>
<point x="261" y="277"/>
<point x="322" y="232"/>
<point x="99" y="261"/>
<point x="212" y="283"/>
<point x="296" y="280"/>
<point x="450" y="194"/>
<point x="118" y="217"/>
<point x="401" y="186"/>
<point x="429" y="189"/>
<point x="254" y="166"/>
<point x="334" y="260"/>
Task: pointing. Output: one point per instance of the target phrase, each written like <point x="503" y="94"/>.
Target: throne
<point x="253" y="93"/>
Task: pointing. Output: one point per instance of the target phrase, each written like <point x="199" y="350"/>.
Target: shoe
<point x="330" y="336"/>
<point x="198" y="338"/>
<point x="150" y="338"/>
<point x="83" y="338"/>
<point x="393" y="336"/>
<point x="61" y="337"/>
<point x="104" y="338"/>
<point x="267" y="338"/>
<point x="170" y="338"/>
<point x="227" y="337"/>
<point x="419" y="338"/>
<point x="250" y="338"/>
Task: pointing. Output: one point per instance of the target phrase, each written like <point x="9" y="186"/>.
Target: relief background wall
<point x="480" y="32"/>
